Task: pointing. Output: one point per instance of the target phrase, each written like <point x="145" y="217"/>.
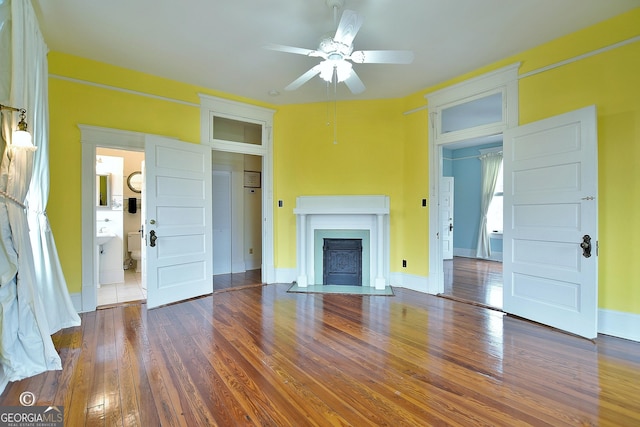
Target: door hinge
<point x="597" y="247"/>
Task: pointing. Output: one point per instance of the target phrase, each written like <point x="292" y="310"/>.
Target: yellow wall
<point x="72" y="103"/>
<point x="611" y="81"/>
<point x="379" y="150"/>
<point x="368" y="158"/>
<point x="415" y="217"/>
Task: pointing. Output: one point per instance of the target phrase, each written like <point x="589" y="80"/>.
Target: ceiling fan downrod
<point x="335" y="5"/>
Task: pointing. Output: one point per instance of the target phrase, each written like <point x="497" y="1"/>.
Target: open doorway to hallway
<point x="237" y="219"/>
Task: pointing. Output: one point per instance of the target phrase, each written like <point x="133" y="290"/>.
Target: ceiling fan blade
<point x="382" y="57"/>
<point x="349" y="25"/>
<point x="354" y="83"/>
<point x="289" y="49"/>
<point x="304" y="78"/>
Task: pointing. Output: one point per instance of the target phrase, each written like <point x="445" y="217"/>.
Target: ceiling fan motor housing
<point x="334" y="50"/>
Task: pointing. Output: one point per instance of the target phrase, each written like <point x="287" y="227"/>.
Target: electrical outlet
<point x="250" y="251"/>
<point x="404" y="263"/>
<point x="424" y="202"/>
<point x="280" y="204"/>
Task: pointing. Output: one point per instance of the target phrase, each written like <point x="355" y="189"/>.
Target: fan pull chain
<point x="335" y="105"/>
<point x="328" y="99"/>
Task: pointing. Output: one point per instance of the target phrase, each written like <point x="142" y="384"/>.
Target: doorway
<point x="237" y="218"/>
<point x="93" y="137"/>
<point x="118" y="218"/>
<point x="468" y="277"/>
<point x="550" y="186"/>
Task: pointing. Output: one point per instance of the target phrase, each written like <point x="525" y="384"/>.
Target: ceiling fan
<point x="337" y="53"/>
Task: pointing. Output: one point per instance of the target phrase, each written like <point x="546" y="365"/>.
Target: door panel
<point x="178" y="203"/>
<point x="550" y="194"/>
<point x="446" y="216"/>
<point x="222" y="219"/>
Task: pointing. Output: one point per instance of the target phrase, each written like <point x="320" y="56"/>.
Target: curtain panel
<point x="490" y="165"/>
<point x="34" y="300"/>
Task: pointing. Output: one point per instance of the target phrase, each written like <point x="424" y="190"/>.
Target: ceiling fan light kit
<point x="337" y="53"/>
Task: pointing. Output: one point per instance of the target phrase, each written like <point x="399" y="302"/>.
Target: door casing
<point x="95" y="136"/>
<point x="504" y="80"/>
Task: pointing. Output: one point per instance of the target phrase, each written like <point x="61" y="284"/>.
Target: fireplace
<point x="342" y="262"/>
<point x="347" y="217"/>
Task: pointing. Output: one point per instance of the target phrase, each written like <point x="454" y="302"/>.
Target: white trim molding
<point x="76" y="300"/>
<point x="361" y="212"/>
<point x="211" y="107"/>
<point x="411" y="281"/>
<point x="504" y="80"/>
<point x="90" y="138"/>
<point x="619" y="324"/>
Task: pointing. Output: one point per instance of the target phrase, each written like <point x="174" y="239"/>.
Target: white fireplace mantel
<point x="343" y="213"/>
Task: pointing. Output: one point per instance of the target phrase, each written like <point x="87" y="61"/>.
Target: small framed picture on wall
<point x="252" y="179"/>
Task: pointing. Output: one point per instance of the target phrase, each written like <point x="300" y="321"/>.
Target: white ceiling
<point x="219" y="44"/>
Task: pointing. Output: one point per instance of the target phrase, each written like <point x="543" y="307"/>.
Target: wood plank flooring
<point x="261" y="356"/>
<point x="249" y="278"/>
<point x="473" y="280"/>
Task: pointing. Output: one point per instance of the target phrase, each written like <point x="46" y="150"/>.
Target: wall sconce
<point x="21" y="136"/>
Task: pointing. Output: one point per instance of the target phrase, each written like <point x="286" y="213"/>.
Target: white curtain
<point x="26" y="348"/>
<point x="32" y="52"/>
<point x="490" y="164"/>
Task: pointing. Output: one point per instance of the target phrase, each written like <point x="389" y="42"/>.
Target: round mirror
<point x="134" y="181"/>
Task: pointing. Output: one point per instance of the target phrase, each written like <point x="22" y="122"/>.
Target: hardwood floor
<point x="473" y="280"/>
<point x="225" y="282"/>
<point x="262" y="356"/>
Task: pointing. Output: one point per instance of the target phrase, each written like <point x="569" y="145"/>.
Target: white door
<point x="177" y="220"/>
<point x="222" y="222"/>
<point x="551" y="201"/>
<point x="143" y="211"/>
<point x="446" y="216"/>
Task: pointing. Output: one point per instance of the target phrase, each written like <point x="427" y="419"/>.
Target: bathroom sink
<point x="104" y="236"/>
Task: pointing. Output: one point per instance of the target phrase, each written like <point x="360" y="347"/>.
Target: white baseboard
<point x="76" y="300"/>
<point x="252" y="264"/>
<point x="238" y="267"/>
<point x="471" y="253"/>
<point x="619" y="324"/>
<point x="286" y="275"/>
<point x="410" y="281"/>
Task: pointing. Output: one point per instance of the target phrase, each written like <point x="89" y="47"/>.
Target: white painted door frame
<point x="447" y="217"/>
<point x="504" y="80"/>
<point x="213" y="106"/>
<point x="93" y="137"/>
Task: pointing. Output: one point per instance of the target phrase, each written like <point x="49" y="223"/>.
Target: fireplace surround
<point x="351" y="215"/>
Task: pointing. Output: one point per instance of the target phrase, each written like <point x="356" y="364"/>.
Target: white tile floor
<point x="130" y="290"/>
